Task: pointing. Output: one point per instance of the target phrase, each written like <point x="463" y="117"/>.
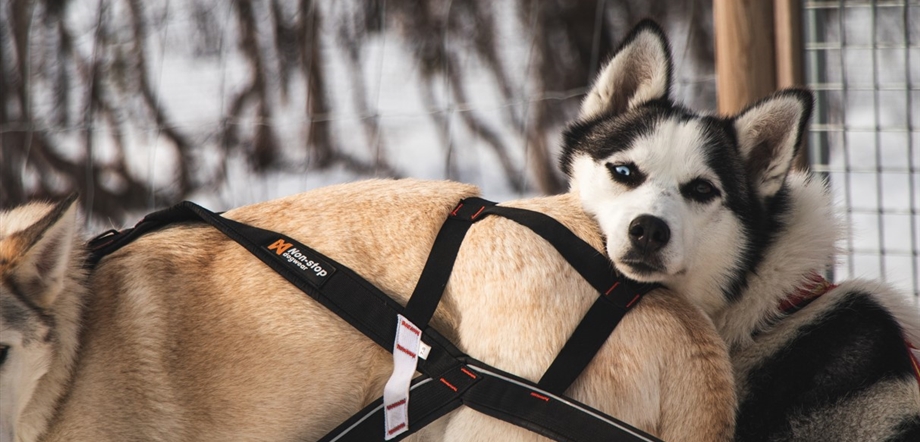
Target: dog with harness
<point x="283" y="321"/>
<point x="711" y="208"/>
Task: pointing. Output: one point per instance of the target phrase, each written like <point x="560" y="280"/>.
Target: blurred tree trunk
<point x="98" y="88"/>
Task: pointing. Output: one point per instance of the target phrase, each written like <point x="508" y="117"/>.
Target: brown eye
<point x="702" y="188"/>
<point x="699" y="190"/>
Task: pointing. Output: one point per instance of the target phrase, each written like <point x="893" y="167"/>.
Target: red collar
<point x="814" y="286"/>
<point x="913" y="353"/>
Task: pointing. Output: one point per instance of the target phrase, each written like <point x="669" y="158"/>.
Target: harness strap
<point x="440" y="263"/>
<point x="618" y="295"/>
<point x="452" y="377"/>
<point x="499" y="395"/>
<point x="357" y="301"/>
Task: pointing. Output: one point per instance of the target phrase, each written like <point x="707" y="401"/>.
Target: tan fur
<point x="189" y="337"/>
<point x="37" y="257"/>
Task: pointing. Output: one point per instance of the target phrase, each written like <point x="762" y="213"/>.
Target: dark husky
<point x="711" y="207"/>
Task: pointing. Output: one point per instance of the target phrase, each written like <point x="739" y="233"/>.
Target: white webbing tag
<point x="396" y="391"/>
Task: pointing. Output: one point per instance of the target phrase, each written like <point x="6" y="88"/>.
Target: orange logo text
<point x="280" y="246"/>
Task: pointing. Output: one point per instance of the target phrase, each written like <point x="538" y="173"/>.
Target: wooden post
<point x="758" y="50"/>
<point x="745" y="61"/>
<point x="790" y="53"/>
<point x="787" y="20"/>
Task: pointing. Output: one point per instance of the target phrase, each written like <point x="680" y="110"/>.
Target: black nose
<point x="649" y="233"/>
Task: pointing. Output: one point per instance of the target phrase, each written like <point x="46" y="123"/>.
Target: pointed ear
<point x="639" y="71"/>
<point x="769" y="134"/>
<point x="38" y="257"/>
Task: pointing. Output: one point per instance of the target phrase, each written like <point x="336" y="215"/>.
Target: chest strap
<point x="450" y="377"/>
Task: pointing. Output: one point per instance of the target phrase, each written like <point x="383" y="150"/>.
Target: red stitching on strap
<point x="633" y="301"/>
<point x="448" y="384"/>
<point x="454" y="212"/>
<point x="468" y="373"/>
<point x="539" y="396"/>
<point x="611" y="288"/>
<point x="478" y="212"/>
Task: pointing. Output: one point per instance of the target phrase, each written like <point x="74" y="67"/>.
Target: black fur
<point x="907" y="431"/>
<point x="851" y="348"/>
<point x="854" y="346"/>
<point x="606" y="134"/>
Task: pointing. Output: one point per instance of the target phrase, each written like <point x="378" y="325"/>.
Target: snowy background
<point x="232" y="102"/>
<point x="863" y="62"/>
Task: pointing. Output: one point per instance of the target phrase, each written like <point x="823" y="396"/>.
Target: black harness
<point x="449" y="378"/>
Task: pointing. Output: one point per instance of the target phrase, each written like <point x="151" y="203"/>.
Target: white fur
<point x="808" y="245"/>
<point x="29" y="367"/>
<point x="22" y="370"/>
<point x="639" y="59"/>
<point x="670" y="156"/>
<point x="770" y="125"/>
<point x="706" y="244"/>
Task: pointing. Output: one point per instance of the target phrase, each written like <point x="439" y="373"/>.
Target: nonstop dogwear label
<point x="315" y="269"/>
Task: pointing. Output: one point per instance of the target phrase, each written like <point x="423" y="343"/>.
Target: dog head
<point x="37" y="259"/>
<point x="682" y="198"/>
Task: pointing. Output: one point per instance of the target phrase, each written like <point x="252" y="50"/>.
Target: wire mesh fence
<point x="863" y="62"/>
<point x="140" y="104"/>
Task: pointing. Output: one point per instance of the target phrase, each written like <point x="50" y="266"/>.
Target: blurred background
<point x="141" y="104"/>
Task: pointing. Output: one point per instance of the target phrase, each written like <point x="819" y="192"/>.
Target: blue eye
<point x="626" y="173"/>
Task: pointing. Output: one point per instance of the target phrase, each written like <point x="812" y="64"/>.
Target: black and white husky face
<point x="681" y="198"/>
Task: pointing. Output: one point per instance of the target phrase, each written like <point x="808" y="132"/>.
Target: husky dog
<point x="710" y="207"/>
<point x="183" y="335"/>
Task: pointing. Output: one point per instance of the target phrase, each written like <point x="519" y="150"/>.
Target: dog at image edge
<point x="710" y="207"/>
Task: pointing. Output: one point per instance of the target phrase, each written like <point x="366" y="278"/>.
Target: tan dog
<point x="186" y="336"/>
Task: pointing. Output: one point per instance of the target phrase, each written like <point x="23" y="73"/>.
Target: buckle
<point x="94" y="243"/>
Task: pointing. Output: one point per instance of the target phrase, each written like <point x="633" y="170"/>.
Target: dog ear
<point x="639" y="71"/>
<point x="40" y="255"/>
<point x="769" y="133"/>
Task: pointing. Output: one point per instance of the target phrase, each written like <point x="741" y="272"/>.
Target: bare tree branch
<point x="167" y="127"/>
<point x="350" y="39"/>
<point x="319" y="140"/>
<point x="113" y="95"/>
<point x="264" y="150"/>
